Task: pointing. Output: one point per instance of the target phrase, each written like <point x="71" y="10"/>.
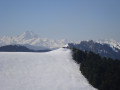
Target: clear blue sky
<point x="56" y="19"/>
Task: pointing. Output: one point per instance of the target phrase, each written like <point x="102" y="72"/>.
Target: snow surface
<point x="53" y="70"/>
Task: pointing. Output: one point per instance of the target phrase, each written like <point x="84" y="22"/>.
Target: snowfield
<point x="53" y="70"/>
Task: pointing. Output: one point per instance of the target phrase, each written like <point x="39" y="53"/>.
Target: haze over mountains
<point x="29" y="39"/>
<point x="107" y="48"/>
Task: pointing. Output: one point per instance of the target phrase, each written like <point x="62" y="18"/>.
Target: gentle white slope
<point x="53" y="70"/>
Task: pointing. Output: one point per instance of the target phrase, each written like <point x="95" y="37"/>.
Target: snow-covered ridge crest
<point x="113" y="43"/>
<point x="54" y="70"/>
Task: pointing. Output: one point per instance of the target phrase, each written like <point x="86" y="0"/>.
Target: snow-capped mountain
<point x="103" y="49"/>
<point x="27" y="35"/>
<point x="32" y="39"/>
<point x="113" y="43"/>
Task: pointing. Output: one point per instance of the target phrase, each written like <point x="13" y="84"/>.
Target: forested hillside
<point x="102" y="73"/>
<point x="104" y="50"/>
<point x="18" y="48"/>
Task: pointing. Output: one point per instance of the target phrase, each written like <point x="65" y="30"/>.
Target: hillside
<point x="104" y="50"/>
<point x="53" y="70"/>
<point x="19" y="48"/>
<point x="102" y="73"/>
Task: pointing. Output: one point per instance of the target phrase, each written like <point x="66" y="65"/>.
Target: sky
<point x="58" y="19"/>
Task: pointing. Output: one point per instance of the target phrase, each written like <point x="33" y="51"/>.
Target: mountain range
<point x="32" y="41"/>
<point x="108" y="48"/>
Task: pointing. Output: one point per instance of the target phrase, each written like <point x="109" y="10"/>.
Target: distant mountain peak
<point x="28" y="35"/>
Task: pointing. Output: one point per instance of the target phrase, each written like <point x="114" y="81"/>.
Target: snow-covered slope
<point x="30" y="38"/>
<point x="111" y="42"/>
<point x="53" y="70"/>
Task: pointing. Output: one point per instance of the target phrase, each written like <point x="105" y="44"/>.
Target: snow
<point x="113" y="44"/>
<point x="53" y="70"/>
<point x="32" y="39"/>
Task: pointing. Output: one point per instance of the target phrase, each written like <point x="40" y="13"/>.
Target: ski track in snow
<point x="53" y="70"/>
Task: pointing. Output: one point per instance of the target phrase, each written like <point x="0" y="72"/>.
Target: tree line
<point x="101" y="72"/>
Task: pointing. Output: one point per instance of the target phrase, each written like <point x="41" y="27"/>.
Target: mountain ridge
<point x="30" y="38"/>
<point x="19" y="48"/>
<point x="104" y="50"/>
<point x="33" y="41"/>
